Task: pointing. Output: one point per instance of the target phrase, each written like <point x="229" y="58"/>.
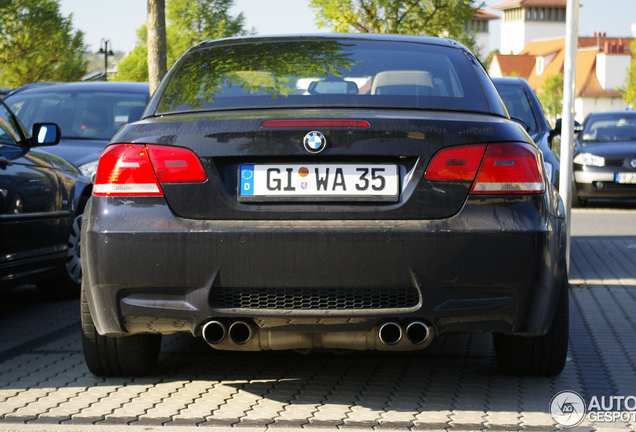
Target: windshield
<point x="80" y="115"/>
<point x="518" y="105"/>
<point x="610" y="128"/>
<point x="323" y="73"/>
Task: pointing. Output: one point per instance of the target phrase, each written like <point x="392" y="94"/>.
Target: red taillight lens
<point x="459" y="163"/>
<point x="127" y="170"/>
<point x="176" y="165"/>
<point x="507" y="168"/>
<point x="124" y="170"/>
<point x="510" y="168"/>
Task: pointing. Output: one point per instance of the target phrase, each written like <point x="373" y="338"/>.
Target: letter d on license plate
<point x="319" y="182"/>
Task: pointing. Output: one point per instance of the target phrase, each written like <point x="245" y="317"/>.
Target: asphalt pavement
<point x="453" y="385"/>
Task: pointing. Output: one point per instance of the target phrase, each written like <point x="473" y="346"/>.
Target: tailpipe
<point x="214" y="332"/>
<point x="417" y="332"/>
<point x="241" y="332"/>
<point x="390" y="333"/>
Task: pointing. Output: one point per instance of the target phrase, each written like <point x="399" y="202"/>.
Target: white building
<point x="528" y="20"/>
<point x="601" y="63"/>
<point x="480" y="25"/>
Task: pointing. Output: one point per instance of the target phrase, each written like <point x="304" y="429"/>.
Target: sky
<point x="118" y="20"/>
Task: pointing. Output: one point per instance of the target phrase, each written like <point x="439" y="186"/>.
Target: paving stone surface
<point x="452" y="386"/>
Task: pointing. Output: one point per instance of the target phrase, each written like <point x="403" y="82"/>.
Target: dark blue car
<point x="88" y="113"/>
<point x="522" y="104"/>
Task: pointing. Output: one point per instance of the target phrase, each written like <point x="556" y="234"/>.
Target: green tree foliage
<point x="488" y="60"/>
<point x="443" y="18"/>
<point x="551" y="97"/>
<point x="188" y="23"/>
<point x="38" y="44"/>
<point x="629" y="91"/>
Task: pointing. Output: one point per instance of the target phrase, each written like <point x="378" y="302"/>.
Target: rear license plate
<point x="629" y="178"/>
<point x="319" y="182"/>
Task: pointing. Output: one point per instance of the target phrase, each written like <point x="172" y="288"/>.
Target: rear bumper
<point x="487" y="269"/>
<point x="598" y="182"/>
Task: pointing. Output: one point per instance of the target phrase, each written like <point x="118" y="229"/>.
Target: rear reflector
<point x="506" y="168"/>
<point x="138" y="170"/>
<point x="280" y="124"/>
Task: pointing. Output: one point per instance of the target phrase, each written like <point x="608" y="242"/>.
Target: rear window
<point x="80" y="114"/>
<point x="323" y="73"/>
<point x="518" y="105"/>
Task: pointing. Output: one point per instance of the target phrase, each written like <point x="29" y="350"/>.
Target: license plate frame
<point x="625" y="178"/>
<point x="332" y="182"/>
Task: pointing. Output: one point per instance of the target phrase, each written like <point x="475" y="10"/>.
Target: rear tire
<point x="134" y="355"/>
<point x="538" y="355"/>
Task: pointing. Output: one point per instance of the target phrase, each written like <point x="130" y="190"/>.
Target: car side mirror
<point x="46" y="134"/>
<point x="578" y="127"/>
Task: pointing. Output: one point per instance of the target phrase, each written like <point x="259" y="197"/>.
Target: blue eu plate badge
<point x="247" y="180"/>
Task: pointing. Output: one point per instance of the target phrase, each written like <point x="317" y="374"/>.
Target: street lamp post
<point x="104" y="50"/>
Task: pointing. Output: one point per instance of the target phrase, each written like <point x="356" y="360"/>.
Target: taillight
<point x="506" y="168"/>
<point x="138" y="170"/>
<point x="176" y="165"/>
<point x="510" y="168"/>
<point x="459" y="163"/>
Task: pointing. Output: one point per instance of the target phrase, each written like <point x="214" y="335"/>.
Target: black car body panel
<point x="164" y="256"/>
<point x="477" y="271"/>
<point x="39" y="198"/>
<point x="407" y="138"/>
<point x="616" y="145"/>
<point x="531" y="113"/>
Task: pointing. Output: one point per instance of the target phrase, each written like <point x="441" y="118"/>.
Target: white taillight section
<point x="137" y="169"/>
<point x="510" y="168"/>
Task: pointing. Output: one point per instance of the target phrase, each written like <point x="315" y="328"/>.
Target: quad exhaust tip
<point x="390" y="333"/>
<point x="241" y="332"/>
<point x="214" y="332"/>
<point x="417" y="332"/>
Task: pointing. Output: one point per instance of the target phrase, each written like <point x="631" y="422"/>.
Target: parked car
<point x="361" y="192"/>
<point x="42" y="198"/>
<point x="605" y="157"/>
<point x="88" y="113"/>
<point x="522" y="104"/>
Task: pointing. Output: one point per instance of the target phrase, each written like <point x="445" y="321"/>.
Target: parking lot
<point x="453" y="385"/>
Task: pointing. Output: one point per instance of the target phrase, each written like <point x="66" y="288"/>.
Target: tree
<point x="629" y="91"/>
<point x="156" y="27"/>
<point x="488" y="60"/>
<point x="188" y="23"/>
<point x="443" y="18"/>
<point x="551" y="97"/>
<point x="38" y="44"/>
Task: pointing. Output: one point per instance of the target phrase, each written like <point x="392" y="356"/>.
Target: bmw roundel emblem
<point x="633" y="163"/>
<point x="315" y="142"/>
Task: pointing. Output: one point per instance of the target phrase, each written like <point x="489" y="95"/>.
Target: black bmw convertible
<point x="324" y="192"/>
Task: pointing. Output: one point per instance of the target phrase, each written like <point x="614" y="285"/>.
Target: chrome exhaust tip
<point x="417" y="332"/>
<point x="241" y="332"/>
<point x="214" y="332"/>
<point x="390" y="333"/>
